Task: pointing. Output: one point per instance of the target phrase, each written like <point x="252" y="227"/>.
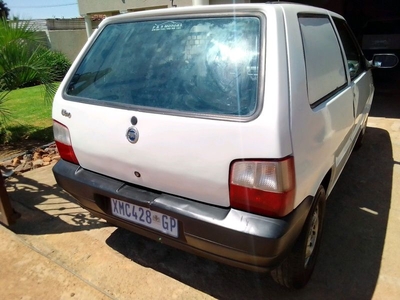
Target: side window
<point x="355" y="60"/>
<point x="324" y="62"/>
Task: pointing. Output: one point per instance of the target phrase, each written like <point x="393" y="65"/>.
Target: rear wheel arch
<point x="326" y="181"/>
<point x="296" y="270"/>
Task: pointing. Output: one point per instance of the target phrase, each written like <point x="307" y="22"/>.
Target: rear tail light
<point x="263" y="187"/>
<point x="63" y="142"/>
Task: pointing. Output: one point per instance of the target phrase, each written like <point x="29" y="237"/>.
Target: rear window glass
<point x="200" y="66"/>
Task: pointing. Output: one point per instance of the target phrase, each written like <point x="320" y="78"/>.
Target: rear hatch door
<point x="168" y="104"/>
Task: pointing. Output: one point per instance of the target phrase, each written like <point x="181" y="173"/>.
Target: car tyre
<point x="295" y="271"/>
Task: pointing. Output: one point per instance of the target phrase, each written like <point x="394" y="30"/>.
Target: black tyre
<point x="295" y="271"/>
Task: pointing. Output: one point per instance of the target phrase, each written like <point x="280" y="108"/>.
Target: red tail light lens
<point x="63" y="142"/>
<point x="263" y="187"/>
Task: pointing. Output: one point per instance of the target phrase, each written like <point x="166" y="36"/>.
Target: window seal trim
<point x="330" y="95"/>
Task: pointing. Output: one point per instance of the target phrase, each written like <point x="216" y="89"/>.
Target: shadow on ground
<point x="46" y="209"/>
<point x="26" y="137"/>
<point x="351" y="252"/>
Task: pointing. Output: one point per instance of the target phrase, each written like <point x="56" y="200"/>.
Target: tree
<point x="24" y="59"/>
<point x="4" y="10"/>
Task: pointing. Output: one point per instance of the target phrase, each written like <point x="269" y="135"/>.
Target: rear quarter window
<point x="195" y="66"/>
<point x="325" y="68"/>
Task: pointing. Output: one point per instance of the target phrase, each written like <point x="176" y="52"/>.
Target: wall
<point x="96" y="6"/>
<point x="214" y="2"/>
<point x="69" y="42"/>
<point x="67" y="35"/>
<point x="68" y="24"/>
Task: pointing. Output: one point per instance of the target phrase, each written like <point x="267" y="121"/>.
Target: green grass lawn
<point x="30" y="117"/>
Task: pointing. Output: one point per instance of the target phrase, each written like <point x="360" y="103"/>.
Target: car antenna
<point x="172" y="3"/>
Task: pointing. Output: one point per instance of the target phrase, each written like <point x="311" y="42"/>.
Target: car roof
<point x="220" y="8"/>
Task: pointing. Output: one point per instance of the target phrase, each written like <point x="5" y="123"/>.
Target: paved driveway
<point x="57" y="250"/>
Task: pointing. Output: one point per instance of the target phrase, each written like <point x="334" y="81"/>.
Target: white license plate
<point x="144" y="216"/>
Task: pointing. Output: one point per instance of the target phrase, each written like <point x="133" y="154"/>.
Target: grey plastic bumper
<point x="223" y="234"/>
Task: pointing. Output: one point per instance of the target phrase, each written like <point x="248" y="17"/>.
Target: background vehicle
<point x="218" y="130"/>
<point x="381" y="36"/>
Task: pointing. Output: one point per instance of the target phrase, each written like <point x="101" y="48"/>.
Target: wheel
<point x="295" y="271"/>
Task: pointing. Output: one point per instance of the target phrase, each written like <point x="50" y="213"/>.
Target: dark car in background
<point x="381" y="35"/>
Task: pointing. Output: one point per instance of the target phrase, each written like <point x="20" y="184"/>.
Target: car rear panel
<point x="189" y="157"/>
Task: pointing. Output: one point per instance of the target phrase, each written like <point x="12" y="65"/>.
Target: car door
<point x="360" y="75"/>
<point x="322" y="134"/>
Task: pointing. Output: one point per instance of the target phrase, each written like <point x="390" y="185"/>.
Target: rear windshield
<point x="199" y="66"/>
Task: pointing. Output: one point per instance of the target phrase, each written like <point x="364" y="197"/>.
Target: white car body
<point x="189" y="156"/>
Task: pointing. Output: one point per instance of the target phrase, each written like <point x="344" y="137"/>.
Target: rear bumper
<point x="223" y="234"/>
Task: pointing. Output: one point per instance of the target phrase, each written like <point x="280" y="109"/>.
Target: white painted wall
<point x="69" y="42"/>
<point x="96" y="6"/>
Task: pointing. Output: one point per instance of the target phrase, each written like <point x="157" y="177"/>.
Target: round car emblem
<point x="132" y="135"/>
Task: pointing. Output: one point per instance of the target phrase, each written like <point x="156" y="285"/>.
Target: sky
<point x="42" y="9"/>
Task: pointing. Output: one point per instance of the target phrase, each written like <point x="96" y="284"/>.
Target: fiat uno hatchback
<point x="219" y="130"/>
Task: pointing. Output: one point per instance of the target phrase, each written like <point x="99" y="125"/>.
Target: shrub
<point x="59" y="63"/>
<point x="5" y="134"/>
<point x="54" y="62"/>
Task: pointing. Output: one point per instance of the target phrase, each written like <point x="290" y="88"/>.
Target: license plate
<point x="144" y="216"/>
